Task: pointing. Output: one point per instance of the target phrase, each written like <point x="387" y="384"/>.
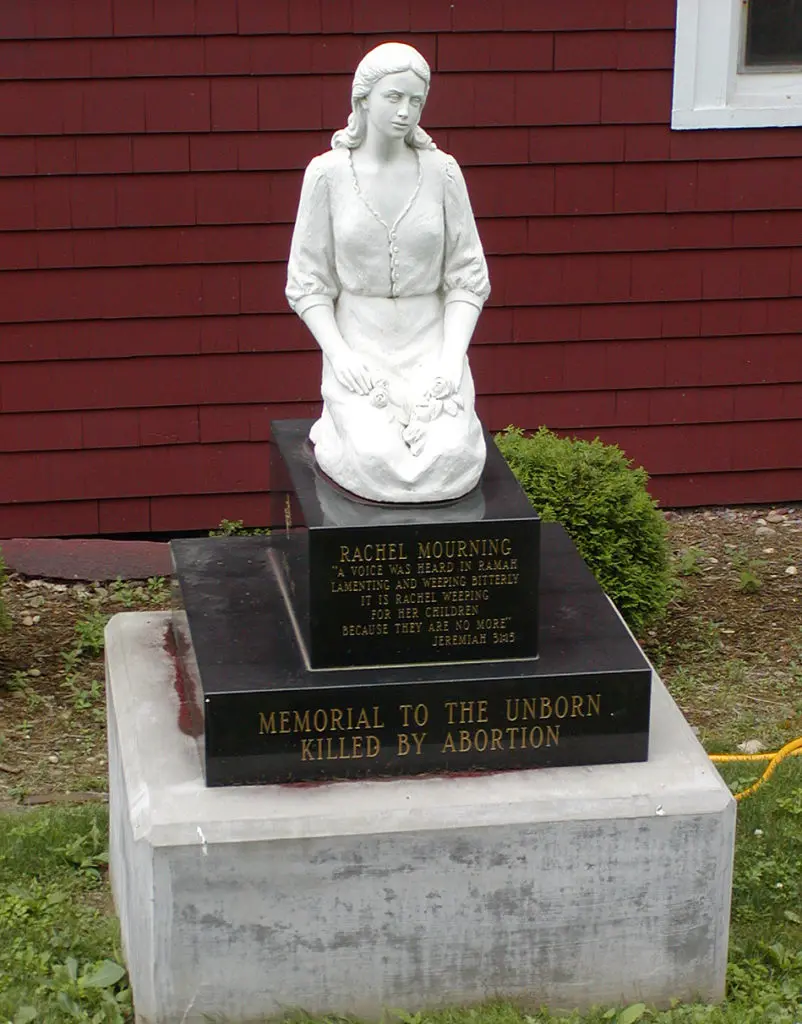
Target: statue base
<point x="577" y="887"/>
<point x="376" y="641"/>
<point x="369" y="584"/>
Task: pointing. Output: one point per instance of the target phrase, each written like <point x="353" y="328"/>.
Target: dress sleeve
<point x="311" y="275"/>
<point x="465" y="270"/>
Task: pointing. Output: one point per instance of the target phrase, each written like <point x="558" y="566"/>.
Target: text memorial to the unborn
<point x="453" y="726"/>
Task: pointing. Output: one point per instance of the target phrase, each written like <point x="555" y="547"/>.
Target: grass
<point x="237" y="528"/>
<point x="689" y="561"/>
<point x="60" y="958"/>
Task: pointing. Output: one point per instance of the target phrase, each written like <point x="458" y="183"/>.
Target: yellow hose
<point x="792" y="749"/>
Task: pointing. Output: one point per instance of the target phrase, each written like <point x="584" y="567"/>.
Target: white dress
<point x="388" y="285"/>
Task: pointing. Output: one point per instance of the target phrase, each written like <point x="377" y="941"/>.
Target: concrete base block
<point x="567" y="886"/>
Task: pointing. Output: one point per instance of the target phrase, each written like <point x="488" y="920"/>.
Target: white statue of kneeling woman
<point x="387" y="271"/>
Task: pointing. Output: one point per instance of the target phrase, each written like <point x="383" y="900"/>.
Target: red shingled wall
<point x="646" y="283"/>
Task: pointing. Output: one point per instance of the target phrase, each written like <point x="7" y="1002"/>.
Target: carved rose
<point x="379" y="398"/>
<point x="441" y="388"/>
<point x="379" y="395"/>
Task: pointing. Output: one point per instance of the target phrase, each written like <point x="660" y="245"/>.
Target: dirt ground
<point x="730" y="646"/>
<point x="52" y="701"/>
<point x="730" y="649"/>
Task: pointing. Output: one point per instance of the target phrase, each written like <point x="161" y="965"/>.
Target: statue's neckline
<point x="390" y="229"/>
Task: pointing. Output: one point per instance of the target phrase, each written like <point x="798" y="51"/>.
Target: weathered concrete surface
<point x="89" y="559"/>
<point x="568" y="886"/>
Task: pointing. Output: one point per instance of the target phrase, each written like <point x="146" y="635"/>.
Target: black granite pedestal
<point x="268" y="718"/>
<point x="370" y="584"/>
<point x="370" y="641"/>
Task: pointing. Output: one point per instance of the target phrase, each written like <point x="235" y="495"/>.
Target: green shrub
<point x="601" y="500"/>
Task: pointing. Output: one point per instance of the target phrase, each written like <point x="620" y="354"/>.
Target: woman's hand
<point x="447" y="377"/>
<point x="348" y="368"/>
<point x="414" y="437"/>
<point x="458" y="325"/>
<point x="351" y="372"/>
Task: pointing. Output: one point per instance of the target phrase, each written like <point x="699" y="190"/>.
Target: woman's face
<point x="394" y="104"/>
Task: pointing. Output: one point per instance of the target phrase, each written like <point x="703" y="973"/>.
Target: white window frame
<point x="710" y="90"/>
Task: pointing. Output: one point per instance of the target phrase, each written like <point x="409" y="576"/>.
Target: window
<point x="773" y="35"/>
<point x="738" y="64"/>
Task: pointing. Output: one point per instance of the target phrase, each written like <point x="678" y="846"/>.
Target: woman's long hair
<point x="386" y="59"/>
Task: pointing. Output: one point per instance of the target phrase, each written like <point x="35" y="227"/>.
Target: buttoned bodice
<point x="341" y="243"/>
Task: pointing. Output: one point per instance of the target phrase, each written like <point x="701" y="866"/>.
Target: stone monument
<point x="404" y="593"/>
<point x="367" y="640"/>
<point x="413" y="629"/>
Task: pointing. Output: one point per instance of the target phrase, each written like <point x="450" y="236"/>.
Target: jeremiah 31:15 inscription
<point x="459" y="593"/>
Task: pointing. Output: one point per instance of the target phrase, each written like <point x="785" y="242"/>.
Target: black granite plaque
<point x="369" y="584"/>
<point x="267" y="717"/>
